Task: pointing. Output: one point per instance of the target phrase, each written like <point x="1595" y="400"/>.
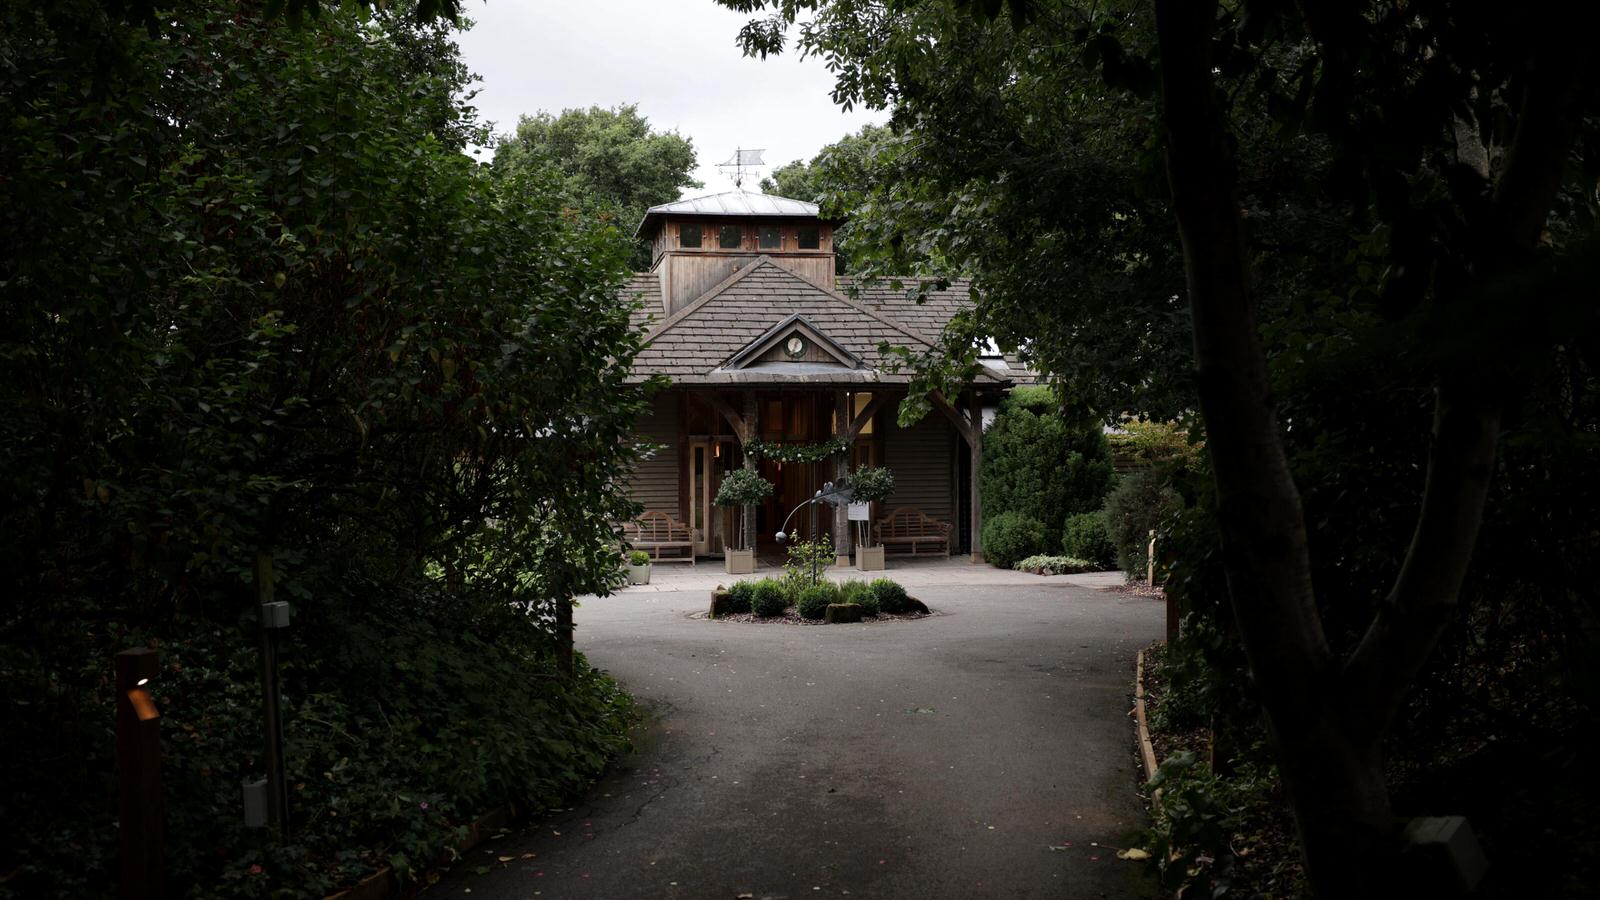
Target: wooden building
<point x="741" y="309"/>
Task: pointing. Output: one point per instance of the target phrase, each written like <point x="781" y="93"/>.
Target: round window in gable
<point x="795" y="346"/>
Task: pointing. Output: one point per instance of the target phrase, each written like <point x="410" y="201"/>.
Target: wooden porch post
<point x="841" y="467"/>
<point x="975" y="444"/>
<point x="970" y="427"/>
<point x="749" y="432"/>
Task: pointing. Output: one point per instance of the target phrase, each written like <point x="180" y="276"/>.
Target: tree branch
<point x="1468" y="407"/>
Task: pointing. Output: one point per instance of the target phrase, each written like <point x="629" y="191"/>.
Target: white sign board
<point x="860" y="512"/>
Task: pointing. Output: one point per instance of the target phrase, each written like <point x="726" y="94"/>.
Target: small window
<point x="730" y="237"/>
<point x="810" y="238"/>
<point x="689" y="235"/>
<point x="771" y="237"/>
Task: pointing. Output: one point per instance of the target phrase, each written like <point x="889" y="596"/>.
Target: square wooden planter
<point x="739" y="562"/>
<point x="870" y="559"/>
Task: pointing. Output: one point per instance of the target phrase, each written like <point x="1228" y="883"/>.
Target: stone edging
<point x="383" y="884"/>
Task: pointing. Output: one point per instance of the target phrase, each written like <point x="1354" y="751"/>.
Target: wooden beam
<point x="954" y="415"/>
<point x="870" y="410"/>
<point x="741" y="426"/>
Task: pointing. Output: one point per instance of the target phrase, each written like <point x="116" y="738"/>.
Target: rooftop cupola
<point x="697" y="243"/>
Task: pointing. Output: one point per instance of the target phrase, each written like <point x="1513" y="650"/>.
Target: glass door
<point x="701" y="474"/>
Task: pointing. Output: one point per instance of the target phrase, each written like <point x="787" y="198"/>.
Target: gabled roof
<point x="698" y="344"/>
<point x="795" y="324"/>
<point x="731" y="203"/>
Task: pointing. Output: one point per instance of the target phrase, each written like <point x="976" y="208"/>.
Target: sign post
<point x="274" y="618"/>
<point x="139" y="775"/>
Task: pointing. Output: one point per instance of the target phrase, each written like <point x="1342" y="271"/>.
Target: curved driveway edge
<point x="982" y="752"/>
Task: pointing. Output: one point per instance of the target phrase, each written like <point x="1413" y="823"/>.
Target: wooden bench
<point x="909" y="525"/>
<point x="656" y="531"/>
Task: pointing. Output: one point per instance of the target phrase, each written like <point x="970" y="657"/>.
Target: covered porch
<point x="799" y="437"/>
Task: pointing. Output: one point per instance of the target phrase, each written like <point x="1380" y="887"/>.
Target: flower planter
<point x="739" y="562"/>
<point x="869" y="559"/>
<point x="638" y="574"/>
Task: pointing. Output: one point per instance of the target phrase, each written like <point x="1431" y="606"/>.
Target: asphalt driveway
<point x="983" y="752"/>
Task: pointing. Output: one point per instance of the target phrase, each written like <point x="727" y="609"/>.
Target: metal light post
<point x="828" y="494"/>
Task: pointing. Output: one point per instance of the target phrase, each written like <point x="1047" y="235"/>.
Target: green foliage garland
<point x="796" y="453"/>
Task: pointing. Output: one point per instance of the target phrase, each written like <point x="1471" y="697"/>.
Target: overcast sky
<point x="676" y="59"/>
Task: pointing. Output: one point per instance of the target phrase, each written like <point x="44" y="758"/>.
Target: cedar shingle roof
<point x="692" y="346"/>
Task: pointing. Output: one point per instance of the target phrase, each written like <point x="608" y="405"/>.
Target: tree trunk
<point x="1333" y="772"/>
<point x="1327" y="720"/>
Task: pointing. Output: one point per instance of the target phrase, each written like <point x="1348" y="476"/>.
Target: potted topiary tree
<point x="638" y="567"/>
<point x="868" y="485"/>
<point x="742" y="489"/>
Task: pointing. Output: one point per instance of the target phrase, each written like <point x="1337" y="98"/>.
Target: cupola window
<point x="771" y="237"/>
<point x="689" y="234"/>
<point x="730" y="237"/>
<point x="810" y="238"/>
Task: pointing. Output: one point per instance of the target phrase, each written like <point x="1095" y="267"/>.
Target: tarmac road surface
<point x="985" y="751"/>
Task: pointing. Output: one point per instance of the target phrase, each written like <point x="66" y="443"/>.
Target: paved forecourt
<point x="985" y="751"/>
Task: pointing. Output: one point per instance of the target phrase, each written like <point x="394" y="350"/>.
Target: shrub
<point x="859" y="593"/>
<point x="890" y="596"/>
<point x="739" y="490"/>
<point x="1138" y="505"/>
<point x="1012" y="536"/>
<point x="804" y="558"/>
<point x="871" y="484"/>
<point x="638" y="558"/>
<point x="1056" y="565"/>
<point x="813" y="601"/>
<point x="1040" y="464"/>
<point x="767" y="598"/>
<point x="740" y="596"/>
<point x="1084" y="536"/>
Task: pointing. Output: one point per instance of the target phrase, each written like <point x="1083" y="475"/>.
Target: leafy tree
<point x="794" y="180"/>
<point x="846" y="162"/>
<point x="257" y="300"/>
<point x="838" y="163"/>
<point x="1037" y="463"/>
<point x="1397" y="200"/>
<point x="614" y="164"/>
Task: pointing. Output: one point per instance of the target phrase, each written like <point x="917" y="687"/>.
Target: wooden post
<point x="751" y="420"/>
<point x="975" y="443"/>
<point x="271" y="722"/>
<point x="1150" y="560"/>
<point x="841" y="469"/>
<point x="139" y="776"/>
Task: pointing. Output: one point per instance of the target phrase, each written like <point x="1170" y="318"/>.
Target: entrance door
<point x="702" y="472"/>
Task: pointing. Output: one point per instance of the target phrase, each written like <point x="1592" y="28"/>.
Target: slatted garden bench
<point x="909" y="525"/>
<point x="656" y="531"/>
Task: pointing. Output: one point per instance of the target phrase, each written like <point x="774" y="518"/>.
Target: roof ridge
<point x="700" y="301"/>
<point x="705" y="298"/>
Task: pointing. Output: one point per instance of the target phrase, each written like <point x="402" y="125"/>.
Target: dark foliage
<point x="768" y="598"/>
<point x="1011" y="537"/>
<point x="890" y="596"/>
<point x="813" y="601"/>
<point x="257" y="300"/>
<point x="1084" y="536"/>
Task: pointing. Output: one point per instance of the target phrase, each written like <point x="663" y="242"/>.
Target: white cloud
<point x="677" y="59"/>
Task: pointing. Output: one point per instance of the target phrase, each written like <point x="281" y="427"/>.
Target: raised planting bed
<point x="798" y="602"/>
